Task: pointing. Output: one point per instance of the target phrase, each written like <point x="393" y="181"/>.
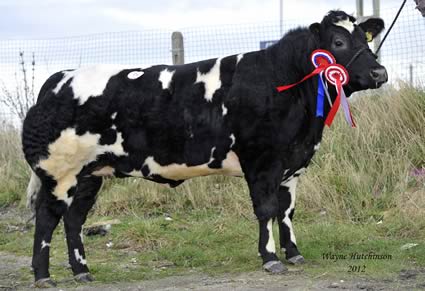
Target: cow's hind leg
<point x="48" y="213"/>
<point x="288" y="242"/>
<point x="74" y="219"/>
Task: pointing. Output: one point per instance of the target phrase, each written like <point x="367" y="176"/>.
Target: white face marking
<point x="239" y="58"/>
<point x="134" y="75"/>
<point x="345" y="23"/>
<point x="79" y="257"/>
<point x="89" y="81"/>
<point x="70" y="153"/>
<point x="233" y="138"/>
<point x="270" y="246"/>
<point x="224" y="109"/>
<point x="230" y="167"/>
<point x="291" y="184"/>
<point x="165" y="78"/>
<point x="113" y="115"/>
<point x="211" y="80"/>
<point x="317" y="147"/>
<point x="44" y="244"/>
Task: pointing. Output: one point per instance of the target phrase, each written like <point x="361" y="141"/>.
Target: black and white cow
<point x="171" y="123"/>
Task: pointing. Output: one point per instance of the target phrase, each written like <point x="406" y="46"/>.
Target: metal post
<point x="411" y="75"/>
<point x="281" y="17"/>
<point x="177" y="48"/>
<point x="376" y="13"/>
<point x="360" y="10"/>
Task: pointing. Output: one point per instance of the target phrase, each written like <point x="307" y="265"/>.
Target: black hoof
<point x="84" y="278"/>
<point x="297" y="260"/>
<point x="44" y="283"/>
<point x="275" y="267"/>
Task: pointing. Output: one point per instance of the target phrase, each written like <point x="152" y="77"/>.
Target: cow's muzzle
<point x="379" y="76"/>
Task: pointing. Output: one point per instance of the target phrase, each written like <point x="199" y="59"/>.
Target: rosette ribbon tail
<point x="320" y="97"/>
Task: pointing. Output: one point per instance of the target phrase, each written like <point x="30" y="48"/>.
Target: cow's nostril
<point x="379" y="75"/>
<point x="374" y="74"/>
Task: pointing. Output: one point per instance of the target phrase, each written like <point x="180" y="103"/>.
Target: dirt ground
<point x="11" y="269"/>
<point x="294" y="281"/>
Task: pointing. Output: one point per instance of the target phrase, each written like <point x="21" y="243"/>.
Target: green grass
<point x="213" y="243"/>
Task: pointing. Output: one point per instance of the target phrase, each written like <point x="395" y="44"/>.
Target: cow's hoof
<point x="84" y="278"/>
<point x="44" y="283"/>
<point x="297" y="260"/>
<point x="275" y="267"/>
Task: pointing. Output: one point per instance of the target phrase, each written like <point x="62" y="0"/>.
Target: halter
<point x="356" y="55"/>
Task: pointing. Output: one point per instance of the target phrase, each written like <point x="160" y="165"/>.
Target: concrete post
<point x="177" y="48"/>
<point x="360" y="10"/>
<point x="376" y="13"/>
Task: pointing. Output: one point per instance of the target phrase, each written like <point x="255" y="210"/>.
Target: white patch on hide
<point x="270" y="246"/>
<point x="68" y="200"/>
<point x="89" y="81"/>
<point x="233" y="138"/>
<point x="70" y="153"/>
<point x="300" y="171"/>
<point x="239" y="58"/>
<point x="106" y="171"/>
<point x="224" y="109"/>
<point x="347" y="24"/>
<point x="135" y="75"/>
<point x="230" y="167"/>
<point x="211" y="80"/>
<point x="317" y="147"/>
<point x="165" y="78"/>
<point x="79" y="257"/>
<point x="291" y="184"/>
<point x="32" y="190"/>
<point x="66" y="76"/>
<point x="44" y="244"/>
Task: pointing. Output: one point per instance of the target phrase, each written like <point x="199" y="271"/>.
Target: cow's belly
<point x="230" y="167"/>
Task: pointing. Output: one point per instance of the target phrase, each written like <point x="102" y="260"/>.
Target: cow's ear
<point x="372" y="27"/>
<point x="315" y="29"/>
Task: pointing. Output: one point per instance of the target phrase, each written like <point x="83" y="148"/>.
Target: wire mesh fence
<point x="402" y="53"/>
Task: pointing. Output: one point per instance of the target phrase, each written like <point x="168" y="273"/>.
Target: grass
<point x="364" y="191"/>
<point x="213" y="243"/>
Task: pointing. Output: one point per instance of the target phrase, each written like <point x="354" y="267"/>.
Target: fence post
<point x="359" y="4"/>
<point x="411" y="75"/>
<point x="177" y="48"/>
<point x="376" y="13"/>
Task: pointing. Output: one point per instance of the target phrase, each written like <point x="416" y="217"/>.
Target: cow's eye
<point x="339" y="43"/>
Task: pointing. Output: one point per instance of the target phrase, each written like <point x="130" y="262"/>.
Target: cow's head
<point x="348" y="42"/>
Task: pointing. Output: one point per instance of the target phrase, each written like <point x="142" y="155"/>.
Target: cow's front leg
<point x="263" y="190"/>
<point x="288" y="243"/>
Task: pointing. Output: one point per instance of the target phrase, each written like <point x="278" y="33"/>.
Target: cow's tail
<point x="33" y="188"/>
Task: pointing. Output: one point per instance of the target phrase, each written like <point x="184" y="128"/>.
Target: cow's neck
<point x="290" y="59"/>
